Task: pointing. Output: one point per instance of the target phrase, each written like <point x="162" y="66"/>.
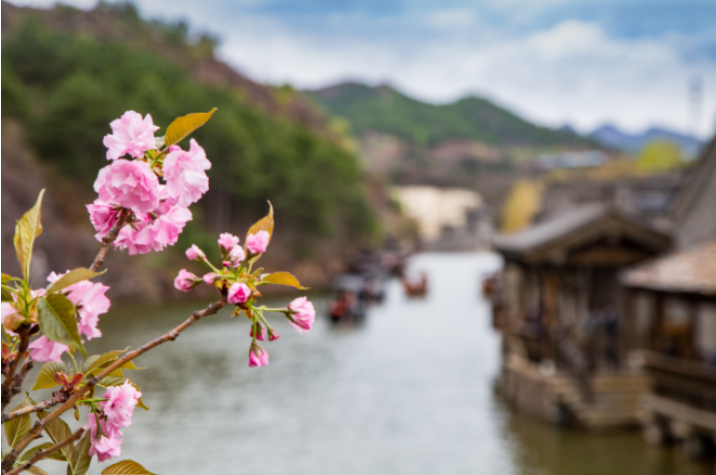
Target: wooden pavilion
<point x="560" y="308"/>
<point x="673" y="300"/>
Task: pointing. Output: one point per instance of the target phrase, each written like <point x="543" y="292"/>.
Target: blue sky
<point x="582" y="62"/>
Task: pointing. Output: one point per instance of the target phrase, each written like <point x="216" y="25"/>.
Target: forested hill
<point x="66" y="73"/>
<point x="383" y="109"/>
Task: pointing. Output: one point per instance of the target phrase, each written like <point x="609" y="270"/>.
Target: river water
<point x="410" y="391"/>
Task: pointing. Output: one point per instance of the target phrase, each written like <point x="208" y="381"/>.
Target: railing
<point x="688" y="381"/>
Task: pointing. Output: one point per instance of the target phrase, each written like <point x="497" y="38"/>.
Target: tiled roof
<point x="691" y="270"/>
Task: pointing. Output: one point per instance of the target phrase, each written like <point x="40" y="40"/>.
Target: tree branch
<point x="36" y="430"/>
<point x="10" y="377"/>
<point x="41" y="454"/>
<point x="109" y="239"/>
<point x="41" y="406"/>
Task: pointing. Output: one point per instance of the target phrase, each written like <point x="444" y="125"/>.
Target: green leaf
<point x="72" y="277"/>
<point x="129" y="365"/>
<point x="263" y="224"/>
<point x="27" y="229"/>
<point x="45" y="378"/>
<point x="16" y="429"/>
<point x="99" y="361"/>
<point x="58" y="430"/>
<point x="126" y="467"/>
<point x="282" y="278"/>
<point x="30" y="452"/>
<point x="58" y="322"/>
<point x="119" y="380"/>
<point x="185" y="125"/>
<point x="36" y="470"/>
<point x="82" y="453"/>
<point x="6" y="295"/>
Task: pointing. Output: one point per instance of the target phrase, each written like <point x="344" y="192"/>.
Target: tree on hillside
<point x="659" y="156"/>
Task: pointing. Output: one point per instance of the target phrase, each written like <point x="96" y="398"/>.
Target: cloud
<point x="552" y="62"/>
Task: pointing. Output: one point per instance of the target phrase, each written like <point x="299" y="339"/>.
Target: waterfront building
<point x="673" y="303"/>
<point x="561" y="311"/>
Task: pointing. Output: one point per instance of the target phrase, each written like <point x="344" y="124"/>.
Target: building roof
<point x="692" y="270"/>
<point x="698" y="179"/>
<point x="592" y="235"/>
<point x="547" y="231"/>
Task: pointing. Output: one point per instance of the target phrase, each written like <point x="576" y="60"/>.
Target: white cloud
<point x="570" y="72"/>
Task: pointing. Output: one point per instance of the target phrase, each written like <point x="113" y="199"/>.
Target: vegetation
<point x="521" y="205"/>
<point x="65" y="88"/>
<point x="386" y="110"/>
<point x="659" y="156"/>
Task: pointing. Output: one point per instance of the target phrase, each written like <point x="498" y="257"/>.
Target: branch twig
<point x="36" y="430"/>
<point x="109" y="239"/>
<point x="41" y="406"/>
<point x="41" y="454"/>
<point x="10" y="377"/>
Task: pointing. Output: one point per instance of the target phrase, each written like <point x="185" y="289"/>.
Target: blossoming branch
<point x="142" y="206"/>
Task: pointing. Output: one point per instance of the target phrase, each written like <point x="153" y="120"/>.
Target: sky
<point x="555" y="62"/>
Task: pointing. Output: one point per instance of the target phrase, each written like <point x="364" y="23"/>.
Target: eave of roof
<point x="692" y="270"/>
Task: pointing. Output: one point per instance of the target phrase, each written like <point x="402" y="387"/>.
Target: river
<point x="410" y="391"/>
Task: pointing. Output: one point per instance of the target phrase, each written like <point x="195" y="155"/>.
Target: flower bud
<point x="272" y="335"/>
<point x="257" y="243"/>
<point x="258" y="357"/>
<point x="227" y="242"/>
<point x="195" y="254"/>
<point x="61" y="379"/>
<point x="301" y="314"/>
<point x="258" y="330"/>
<point x="239" y="293"/>
<point x="185" y="281"/>
<point x="212" y="277"/>
<point x="235" y="257"/>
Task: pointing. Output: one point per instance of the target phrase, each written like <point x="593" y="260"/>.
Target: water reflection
<point x="408" y="392"/>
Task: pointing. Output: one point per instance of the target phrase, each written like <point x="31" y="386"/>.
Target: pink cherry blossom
<point x="153" y="232"/>
<point x="239" y="293"/>
<point x="169" y="225"/>
<point x="257" y="243"/>
<point x="185" y="175"/>
<point x="91" y="302"/>
<point x="235" y="257"/>
<point x="302" y="314"/>
<point x="129" y="184"/>
<point x="131" y="134"/>
<point x="258" y="357"/>
<point x="185" y="281"/>
<point x="227" y="242"/>
<point x="103" y="217"/>
<point x="44" y="349"/>
<point x="272" y="334"/>
<point x="105" y="448"/>
<point x="127" y="239"/>
<point x="195" y="254"/>
<point x="120" y="404"/>
<point x="211" y="277"/>
<point x="11" y="316"/>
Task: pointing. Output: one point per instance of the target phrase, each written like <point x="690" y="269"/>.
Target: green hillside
<point x="386" y="110"/>
<point x="66" y="86"/>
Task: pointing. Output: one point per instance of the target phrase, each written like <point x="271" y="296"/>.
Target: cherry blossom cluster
<point x="112" y="413"/>
<point x="236" y="278"/>
<point x="156" y="188"/>
<point x="90" y="302"/>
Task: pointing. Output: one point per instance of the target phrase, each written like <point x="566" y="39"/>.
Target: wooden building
<point x="673" y="301"/>
<point x="559" y="307"/>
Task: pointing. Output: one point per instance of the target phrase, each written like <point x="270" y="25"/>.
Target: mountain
<point x="66" y="73"/>
<point x="610" y="136"/>
<point x="386" y="110"/>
